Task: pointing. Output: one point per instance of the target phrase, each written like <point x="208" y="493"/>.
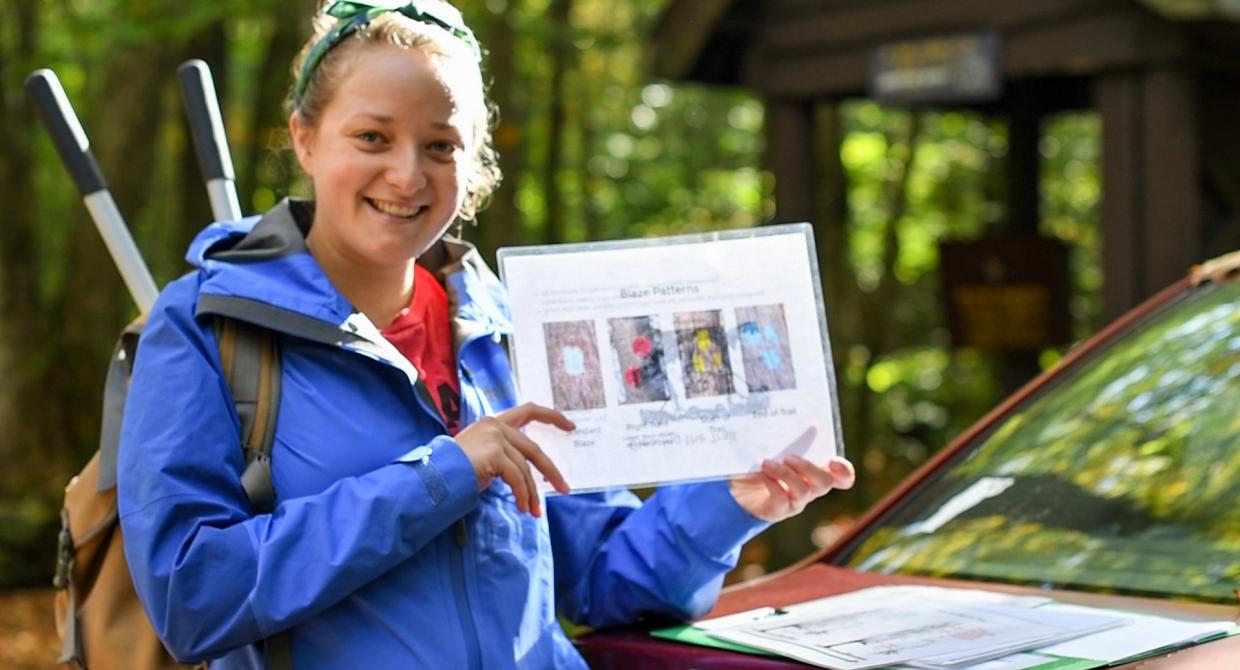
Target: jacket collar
<point x="260" y="270"/>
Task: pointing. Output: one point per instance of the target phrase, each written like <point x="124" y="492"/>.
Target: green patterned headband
<point x="353" y="15"/>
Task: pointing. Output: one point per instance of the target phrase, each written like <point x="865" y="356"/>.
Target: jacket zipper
<point x="465" y="611"/>
<point x="464" y="608"/>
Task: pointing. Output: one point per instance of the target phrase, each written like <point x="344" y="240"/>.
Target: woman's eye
<point x="441" y="147"/>
<point x="370" y="137"/>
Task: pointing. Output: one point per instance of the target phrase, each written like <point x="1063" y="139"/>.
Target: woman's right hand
<point x="496" y="447"/>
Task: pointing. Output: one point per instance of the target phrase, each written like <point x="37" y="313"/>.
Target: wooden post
<point x="1172" y="178"/>
<point x="1118" y="100"/>
<point x="1151" y="183"/>
<point x="1023" y="159"/>
<point x="790" y="155"/>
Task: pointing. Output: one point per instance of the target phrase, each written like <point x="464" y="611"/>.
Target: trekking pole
<point x="210" y="143"/>
<point x="74" y="149"/>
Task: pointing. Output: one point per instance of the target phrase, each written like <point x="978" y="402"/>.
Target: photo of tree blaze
<point x="703" y="346"/>
<point x="573" y="363"/>
<point x="764" y="348"/>
<point x="638" y="345"/>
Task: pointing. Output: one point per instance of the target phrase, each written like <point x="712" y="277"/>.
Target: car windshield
<point x="1123" y="475"/>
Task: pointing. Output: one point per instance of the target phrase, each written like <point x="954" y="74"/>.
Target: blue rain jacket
<point x="381" y="552"/>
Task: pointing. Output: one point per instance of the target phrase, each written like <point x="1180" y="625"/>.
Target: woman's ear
<point x="303" y="140"/>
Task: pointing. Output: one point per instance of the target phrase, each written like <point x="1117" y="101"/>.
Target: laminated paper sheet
<point x="684" y="358"/>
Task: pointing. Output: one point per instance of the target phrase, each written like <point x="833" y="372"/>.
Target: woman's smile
<point x="396" y="210"/>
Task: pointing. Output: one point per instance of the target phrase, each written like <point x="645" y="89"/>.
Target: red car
<point x="1112" y="480"/>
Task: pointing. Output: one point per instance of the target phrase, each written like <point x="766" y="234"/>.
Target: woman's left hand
<point x="783" y="488"/>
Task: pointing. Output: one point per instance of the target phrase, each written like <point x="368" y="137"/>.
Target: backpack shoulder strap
<point x="251" y="358"/>
<point x="115" y="390"/>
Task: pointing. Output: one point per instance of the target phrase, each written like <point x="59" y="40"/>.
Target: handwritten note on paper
<point x="685" y="358"/>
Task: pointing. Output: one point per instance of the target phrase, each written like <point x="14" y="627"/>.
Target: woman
<point x="407" y="530"/>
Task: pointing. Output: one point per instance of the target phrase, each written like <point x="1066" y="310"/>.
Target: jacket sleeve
<point x="618" y="560"/>
<point x="211" y="575"/>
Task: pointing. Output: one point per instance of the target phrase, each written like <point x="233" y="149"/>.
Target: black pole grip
<point x="62" y="124"/>
<point x="206" y="124"/>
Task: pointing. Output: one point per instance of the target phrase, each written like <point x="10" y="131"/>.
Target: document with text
<point x="680" y="358"/>
<point x="928" y="627"/>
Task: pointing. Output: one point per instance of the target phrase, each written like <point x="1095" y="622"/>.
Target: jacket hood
<point x="260" y="270"/>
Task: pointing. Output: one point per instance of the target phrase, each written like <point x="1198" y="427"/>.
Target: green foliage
<point x="642" y="158"/>
<point x="1071" y="190"/>
<point x="922" y="392"/>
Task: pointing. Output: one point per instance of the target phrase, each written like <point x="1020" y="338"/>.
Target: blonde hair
<point x="482" y="168"/>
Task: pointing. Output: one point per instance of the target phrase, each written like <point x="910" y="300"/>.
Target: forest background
<point x="591" y="147"/>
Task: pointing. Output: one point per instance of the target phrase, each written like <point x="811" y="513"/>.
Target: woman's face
<point x="387" y="157"/>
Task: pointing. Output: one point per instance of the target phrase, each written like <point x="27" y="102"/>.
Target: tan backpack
<point x="101" y="623"/>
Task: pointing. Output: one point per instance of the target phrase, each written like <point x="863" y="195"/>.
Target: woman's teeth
<point x="394" y="209"/>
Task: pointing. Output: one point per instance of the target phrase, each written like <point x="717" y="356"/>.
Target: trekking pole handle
<point x="74" y="149"/>
<point x="62" y="123"/>
<point x="210" y="142"/>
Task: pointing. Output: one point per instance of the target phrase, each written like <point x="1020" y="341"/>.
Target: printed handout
<point x="926" y="626"/>
<point x="680" y="359"/>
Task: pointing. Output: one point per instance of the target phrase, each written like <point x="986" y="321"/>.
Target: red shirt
<point x="423" y="333"/>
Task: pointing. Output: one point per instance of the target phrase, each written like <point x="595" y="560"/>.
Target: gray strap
<point x="256" y="480"/>
<point x="272" y="318"/>
<point x="261" y="346"/>
<point x="243" y="377"/>
<point x="115" y="389"/>
<point x="250" y="355"/>
<point x="251" y="358"/>
<point x="71" y="649"/>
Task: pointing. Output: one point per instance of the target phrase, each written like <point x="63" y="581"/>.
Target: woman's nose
<point x="406" y="173"/>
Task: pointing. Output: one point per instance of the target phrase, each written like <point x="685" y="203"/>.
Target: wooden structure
<point x="1164" y="75"/>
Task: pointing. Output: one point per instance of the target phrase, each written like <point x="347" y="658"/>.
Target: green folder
<point x="691" y="635"/>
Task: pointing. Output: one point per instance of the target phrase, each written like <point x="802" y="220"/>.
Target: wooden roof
<point x="821" y="48"/>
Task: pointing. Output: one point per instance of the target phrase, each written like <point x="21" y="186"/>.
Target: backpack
<point x="99" y="619"/>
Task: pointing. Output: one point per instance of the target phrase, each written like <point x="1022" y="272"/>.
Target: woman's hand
<point x="496" y="447"/>
<point x="783" y="488"/>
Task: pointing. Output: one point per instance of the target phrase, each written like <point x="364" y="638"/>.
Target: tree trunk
<point x="587" y="183"/>
<point x="500" y="224"/>
<point x="561" y="53"/>
<point x="878" y="329"/>
<point x="268" y="117"/>
<point x="23" y="407"/>
<point x="839" y="277"/>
